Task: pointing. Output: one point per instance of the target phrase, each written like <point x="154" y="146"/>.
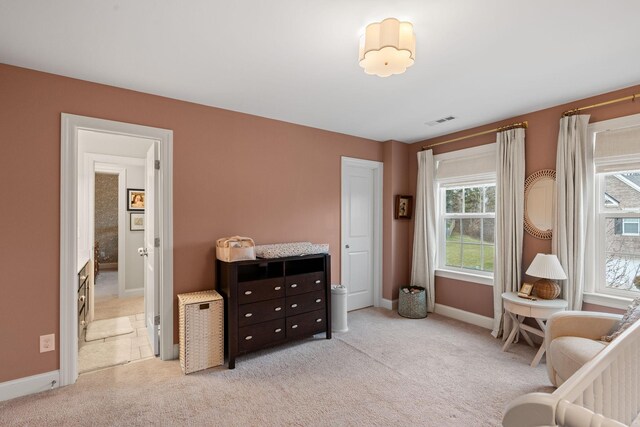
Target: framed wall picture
<point x="404" y="207"/>
<point x="525" y="290"/>
<point x="136" y="222"/>
<point x="135" y="199"/>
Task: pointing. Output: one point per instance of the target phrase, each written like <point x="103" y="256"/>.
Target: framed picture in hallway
<point x="137" y="222"/>
<point x="135" y="199"/>
<point x="404" y="207"/>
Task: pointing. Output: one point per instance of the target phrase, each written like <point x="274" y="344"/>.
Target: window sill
<point x="606" y="300"/>
<point x="465" y="277"/>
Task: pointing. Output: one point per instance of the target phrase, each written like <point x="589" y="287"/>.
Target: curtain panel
<point x="510" y="170"/>
<point x="574" y="184"/>
<point x="424" y="235"/>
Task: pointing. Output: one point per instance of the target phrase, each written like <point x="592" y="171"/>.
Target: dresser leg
<point x="328" y="334"/>
<point x="232" y="363"/>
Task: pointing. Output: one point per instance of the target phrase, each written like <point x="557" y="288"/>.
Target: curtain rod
<point x="600" y="104"/>
<point x="523" y="125"/>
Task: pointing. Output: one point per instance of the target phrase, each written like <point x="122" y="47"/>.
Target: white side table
<point x="520" y="308"/>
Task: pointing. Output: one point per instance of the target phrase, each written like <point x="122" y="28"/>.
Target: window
<point x="619" y="229"/>
<point x="630" y="227"/>
<point x="466" y="206"/>
<point x="468" y="224"/>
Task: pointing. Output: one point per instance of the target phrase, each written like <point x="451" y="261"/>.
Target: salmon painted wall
<point x="233" y="174"/>
<point x="540" y="152"/>
<point x="396" y="231"/>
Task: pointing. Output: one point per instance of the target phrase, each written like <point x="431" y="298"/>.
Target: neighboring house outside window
<point x="466" y="192"/>
<point x="619" y="225"/>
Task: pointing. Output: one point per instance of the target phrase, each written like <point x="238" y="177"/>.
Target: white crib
<point x="604" y="392"/>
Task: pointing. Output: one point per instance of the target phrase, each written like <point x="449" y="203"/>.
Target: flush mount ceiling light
<point x="387" y="47"/>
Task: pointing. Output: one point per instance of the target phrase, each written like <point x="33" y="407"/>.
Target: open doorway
<point x="92" y="148"/>
<point x="112" y="169"/>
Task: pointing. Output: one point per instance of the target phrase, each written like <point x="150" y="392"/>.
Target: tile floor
<point x="140" y="346"/>
<point x="106" y="291"/>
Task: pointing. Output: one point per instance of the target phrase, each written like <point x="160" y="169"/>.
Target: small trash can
<point x="339" y="308"/>
<point x="412" y="302"/>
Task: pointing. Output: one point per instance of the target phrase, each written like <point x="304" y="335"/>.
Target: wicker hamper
<point x="413" y="305"/>
<point x="201" y="330"/>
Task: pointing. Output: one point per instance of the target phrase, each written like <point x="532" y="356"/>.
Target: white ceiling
<point x="296" y="60"/>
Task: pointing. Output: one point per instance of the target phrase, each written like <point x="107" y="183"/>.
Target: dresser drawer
<point x="249" y="314"/>
<point x="303" y="283"/>
<point x="260" y="290"/>
<point x="256" y="336"/>
<point x="304" y="303"/>
<point x="306" y="324"/>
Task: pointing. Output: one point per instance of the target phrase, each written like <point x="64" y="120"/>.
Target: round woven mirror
<point x="539" y="197"/>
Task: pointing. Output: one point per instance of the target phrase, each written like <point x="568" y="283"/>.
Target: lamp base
<point x="546" y="289"/>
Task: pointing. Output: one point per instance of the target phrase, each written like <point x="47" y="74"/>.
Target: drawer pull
<point x="277" y="288"/>
<point x="82" y="323"/>
<point x="248" y="292"/>
<point x="295" y="285"/>
<point x="278" y="330"/>
<point x="278" y="308"/>
<point x="318" y="320"/>
<point x="294" y="326"/>
<point x="294" y="305"/>
<point x="248" y="315"/>
<point x="318" y="282"/>
<point x="82" y="298"/>
<point x="319" y="300"/>
<point x="248" y="337"/>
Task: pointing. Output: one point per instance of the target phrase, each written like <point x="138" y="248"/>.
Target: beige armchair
<point x="572" y="338"/>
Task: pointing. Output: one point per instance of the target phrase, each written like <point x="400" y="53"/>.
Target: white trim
<point x="607" y="300"/>
<point x="29" y="385"/>
<point x="137" y="292"/>
<point x="465" y="316"/>
<point x="70" y="125"/>
<point x="389" y="304"/>
<point x="465" y="277"/>
<point x="378" y="173"/>
<point x="176" y="351"/>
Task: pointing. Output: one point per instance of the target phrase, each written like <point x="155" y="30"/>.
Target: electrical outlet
<point x="47" y="343"/>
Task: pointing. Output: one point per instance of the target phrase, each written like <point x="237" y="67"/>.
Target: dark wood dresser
<point x="272" y="301"/>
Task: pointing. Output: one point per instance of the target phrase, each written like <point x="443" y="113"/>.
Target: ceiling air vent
<point x="440" y="121"/>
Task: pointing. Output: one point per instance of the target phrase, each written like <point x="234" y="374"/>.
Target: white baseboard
<point x="29" y="385"/>
<point x="128" y="293"/>
<point x="176" y="351"/>
<point x="464" y="316"/>
<point x="389" y="304"/>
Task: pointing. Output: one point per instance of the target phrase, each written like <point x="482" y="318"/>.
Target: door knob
<point x="346" y="246"/>
<point x="143" y="252"/>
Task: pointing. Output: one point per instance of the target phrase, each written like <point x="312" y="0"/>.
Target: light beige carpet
<point x="386" y="371"/>
<point x="103" y="355"/>
<point x="100" y="329"/>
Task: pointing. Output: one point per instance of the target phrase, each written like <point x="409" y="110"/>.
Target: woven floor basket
<point x="413" y="306"/>
<point x="201" y="317"/>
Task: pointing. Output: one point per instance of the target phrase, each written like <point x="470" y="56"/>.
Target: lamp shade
<point x="546" y="267"/>
<point x="387" y="47"/>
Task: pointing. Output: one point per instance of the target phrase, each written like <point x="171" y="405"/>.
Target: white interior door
<point x="358" y="206"/>
<point x="151" y="296"/>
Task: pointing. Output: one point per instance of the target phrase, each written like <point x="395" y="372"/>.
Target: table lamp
<point x="548" y="268"/>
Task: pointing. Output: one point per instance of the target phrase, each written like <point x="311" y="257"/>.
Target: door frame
<point x="378" y="170"/>
<point x="70" y="125"/>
